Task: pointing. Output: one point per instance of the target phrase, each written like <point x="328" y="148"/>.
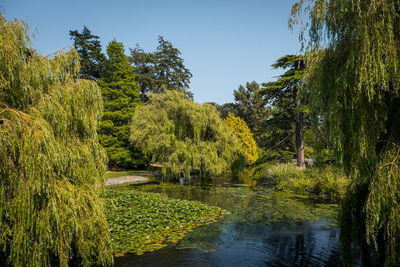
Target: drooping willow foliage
<point x="354" y="81"/>
<point x="184" y="136"/>
<point x="52" y="167"/>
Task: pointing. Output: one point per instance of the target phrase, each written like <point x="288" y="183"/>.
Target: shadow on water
<point x="265" y="228"/>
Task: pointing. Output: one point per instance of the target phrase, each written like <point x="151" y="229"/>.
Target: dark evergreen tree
<point x="89" y="48"/>
<point x="250" y="105"/>
<point x="288" y="108"/>
<point x="144" y="65"/>
<point x="160" y="70"/>
<point x="121" y="97"/>
<point x="170" y="69"/>
<point x="227" y="108"/>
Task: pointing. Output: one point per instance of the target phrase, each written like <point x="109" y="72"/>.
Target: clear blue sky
<point x="223" y="43"/>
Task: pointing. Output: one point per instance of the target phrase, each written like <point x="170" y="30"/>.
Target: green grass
<point x="119" y="174"/>
<point x="141" y="221"/>
<point x="328" y="181"/>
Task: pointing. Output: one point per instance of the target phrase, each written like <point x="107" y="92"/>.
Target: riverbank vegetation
<point x="354" y="84"/>
<point x="334" y="107"/>
<point x="52" y="167"/>
<point x="141" y="222"/>
<point x="329" y="182"/>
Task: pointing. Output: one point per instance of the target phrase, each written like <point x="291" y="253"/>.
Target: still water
<point x="264" y="228"/>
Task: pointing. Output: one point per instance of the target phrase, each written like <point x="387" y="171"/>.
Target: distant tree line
<point x="276" y="112"/>
<point x="125" y="82"/>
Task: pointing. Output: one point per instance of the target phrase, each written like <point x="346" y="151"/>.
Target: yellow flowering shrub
<point x="239" y="127"/>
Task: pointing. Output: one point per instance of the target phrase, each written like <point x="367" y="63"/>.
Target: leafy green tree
<point x="52" y="167"/>
<point x="121" y="97"/>
<point x="227" y="108"/>
<point x="276" y="137"/>
<point x="250" y="105"/>
<point x="245" y="136"/>
<point x="160" y="70"/>
<point x="89" y="49"/>
<point x="288" y="108"/>
<point x="355" y="83"/>
<point x="184" y="136"/>
<point x="144" y="65"/>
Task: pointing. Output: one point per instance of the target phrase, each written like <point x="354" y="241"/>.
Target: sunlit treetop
<point x="184" y="136"/>
<point x="245" y="136"/>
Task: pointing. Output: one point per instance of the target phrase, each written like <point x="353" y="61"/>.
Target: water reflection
<point x="264" y="228"/>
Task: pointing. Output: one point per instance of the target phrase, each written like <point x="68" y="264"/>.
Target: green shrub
<point x="245" y="136"/>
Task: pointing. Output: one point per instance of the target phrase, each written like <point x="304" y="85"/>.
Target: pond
<point x="264" y="228"/>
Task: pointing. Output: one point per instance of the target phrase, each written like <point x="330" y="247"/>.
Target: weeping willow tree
<point x="184" y="136"/>
<point x="52" y="167"/>
<point x="354" y="83"/>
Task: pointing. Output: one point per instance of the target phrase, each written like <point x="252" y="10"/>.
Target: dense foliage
<point x="249" y="106"/>
<point x="141" y="222"/>
<point x="121" y="96"/>
<point x="160" y="70"/>
<point x="354" y="83"/>
<point x="89" y="49"/>
<point x="184" y="136"/>
<point x="287" y="114"/>
<point x="328" y="181"/>
<point x="52" y="166"/>
<point x="245" y="136"/>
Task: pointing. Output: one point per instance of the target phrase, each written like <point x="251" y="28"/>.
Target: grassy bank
<point x="328" y="181"/>
<point x="119" y="174"/>
<point x="141" y="222"/>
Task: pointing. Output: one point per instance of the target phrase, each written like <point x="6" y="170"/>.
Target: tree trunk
<point x="300" y="139"/>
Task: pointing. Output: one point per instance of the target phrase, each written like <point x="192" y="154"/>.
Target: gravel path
<point x="143" y="178"/>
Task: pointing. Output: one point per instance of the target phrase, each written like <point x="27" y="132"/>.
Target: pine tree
<point x="251" y="106"/>
<point x="227" y="108"/>
<point x="171" y="72"/>
<point x="121" y="97"/>
<point x="89" y="49"/>
<point x="288" y="109"/>
<point x="144" y="65"/>
<point x="160" y="70"/>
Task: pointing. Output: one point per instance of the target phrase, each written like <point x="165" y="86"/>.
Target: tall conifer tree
<point x="283" y="96"/>
<point x="89" y="49"/>
<point x="160" y="70"/>
<point x="121" y="97"/>
<point x="250" y="106"/>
